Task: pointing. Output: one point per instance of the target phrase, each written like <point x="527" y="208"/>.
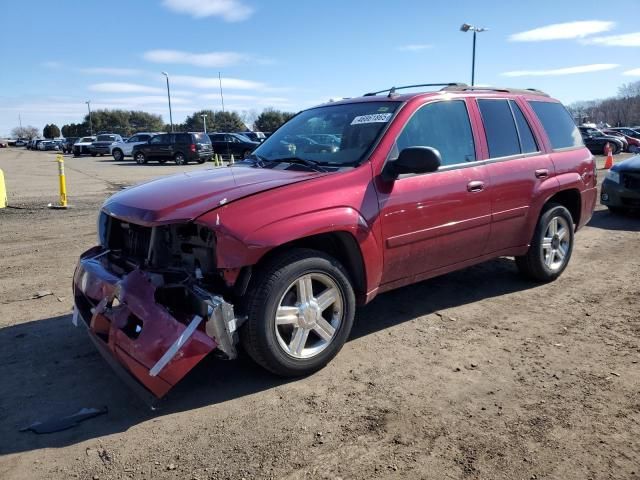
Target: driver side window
<point x="158" y="139"/>
<point x="444" y="126"/>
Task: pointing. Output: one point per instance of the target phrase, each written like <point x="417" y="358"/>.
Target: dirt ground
<point x="478" y="374"/>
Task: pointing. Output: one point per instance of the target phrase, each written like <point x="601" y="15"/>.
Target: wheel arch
<point x="341" y="245"/>
<point x="571" y="200"/>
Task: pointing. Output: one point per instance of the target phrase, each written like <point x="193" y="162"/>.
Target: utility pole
<point x="221" y="97"/>
<point x="465" y="28"/>
<point x="169" y="97"/>
<point x="88" y="102"/>
<point x="204" y="119"/>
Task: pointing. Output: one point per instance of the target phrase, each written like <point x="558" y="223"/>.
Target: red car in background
<point x="277" y="251"/>
<point x="633" y="143"/>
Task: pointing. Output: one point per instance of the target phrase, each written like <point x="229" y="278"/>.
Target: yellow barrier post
<point x="3" y="191"/>
<point x="62" y="183"/>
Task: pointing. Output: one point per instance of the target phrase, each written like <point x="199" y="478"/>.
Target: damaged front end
<point x="153" y="300"/>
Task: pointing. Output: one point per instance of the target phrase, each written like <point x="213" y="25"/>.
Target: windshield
<point x="106" y="138"/>
<point x="86" y="140"/>
<point x="330" y="135"/>
<point x="242" y="137"/>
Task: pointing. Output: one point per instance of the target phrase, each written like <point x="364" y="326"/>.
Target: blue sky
<point x="293" y="54"/>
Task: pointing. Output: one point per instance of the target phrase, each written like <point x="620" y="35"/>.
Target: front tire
<point x="117" y="155"/>
<point x="140" y="158"/>
<point x="551" y="246"/>
<point x="300" y="309"/>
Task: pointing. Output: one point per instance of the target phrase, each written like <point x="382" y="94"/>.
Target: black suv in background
<point x="235" y="144"/>
<point x="182" y="148"/>
<point x="67" y="144"/>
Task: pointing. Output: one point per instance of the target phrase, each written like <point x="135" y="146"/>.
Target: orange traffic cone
<point x="609" y="162"/>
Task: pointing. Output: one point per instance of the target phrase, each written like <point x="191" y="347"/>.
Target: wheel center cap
<point x="555" y="242"/>
<point x="308" y="314"/>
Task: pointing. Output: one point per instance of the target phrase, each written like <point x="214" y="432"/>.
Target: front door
<point x="435" y="220"/>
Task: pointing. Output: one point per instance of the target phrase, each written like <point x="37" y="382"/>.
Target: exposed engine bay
<point x="154" y="298"/>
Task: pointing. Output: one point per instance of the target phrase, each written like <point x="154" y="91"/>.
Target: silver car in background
<point x="123" y="149"/>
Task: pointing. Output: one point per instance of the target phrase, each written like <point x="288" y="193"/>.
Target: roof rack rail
<point x="393" y="90"/>
<point x="466" y="88"/>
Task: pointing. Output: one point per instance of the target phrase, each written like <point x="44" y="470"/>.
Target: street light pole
<point x="169" y="97"/>
<point x="204" y="119"/>
<point x="88" y="102"/>
<point x="465" y="28"/>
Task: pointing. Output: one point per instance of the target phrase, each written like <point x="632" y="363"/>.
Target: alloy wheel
<point x="308" y="315"/>
<point x="556" y="243"/>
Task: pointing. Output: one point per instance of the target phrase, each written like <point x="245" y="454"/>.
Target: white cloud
<point x="229" y="10"/>
<point x="635" y="72"/>
<point x="415" y="47"/>
<point x="563" y="31"/>
<point x="121" y="72"/>
<point x="143" y="100"/>
<point x="210" y="59"/>
<point x="212" y="82"/>
<point x="596" y="67"/>
<point x="624" y="40"/>
<point x="51" y="64"/>
<point x="121" y="87"/>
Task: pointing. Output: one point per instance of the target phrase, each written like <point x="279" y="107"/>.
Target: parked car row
<point x="620" y="139"/>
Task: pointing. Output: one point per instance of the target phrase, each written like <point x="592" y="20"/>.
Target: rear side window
<point x="201" y="138"/>
<point x="183" y="138"/>
<point x="558" y="124"/>
<point x="527" y="142"/>
<point x="444" y="126"/>
<point x="500" y="128"/>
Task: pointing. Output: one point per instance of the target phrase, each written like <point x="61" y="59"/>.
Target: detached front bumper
<point x="155" y="348"/>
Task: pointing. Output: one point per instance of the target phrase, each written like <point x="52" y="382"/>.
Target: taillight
<point x="192" y="147"/>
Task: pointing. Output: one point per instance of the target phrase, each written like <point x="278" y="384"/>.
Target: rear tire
<point x="551" y="246"/>
<point x="140" y="158"/>
<point x="118" y="155"/>
<point x="94" y="154"/>
<point x="180" y="159"/>
<point x="311" y="297"/>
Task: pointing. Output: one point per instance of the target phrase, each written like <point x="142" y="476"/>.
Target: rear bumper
<point x="615" y="195"/>
<point x="148" y="345"/>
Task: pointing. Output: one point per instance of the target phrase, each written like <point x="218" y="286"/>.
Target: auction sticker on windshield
<point x="373" y="118"/>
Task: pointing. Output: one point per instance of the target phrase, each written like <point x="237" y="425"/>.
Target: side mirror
<point x="413" y="160"/>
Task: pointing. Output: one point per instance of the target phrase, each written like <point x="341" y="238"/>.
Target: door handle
<point x="542" y="173"/>
<point x="475" y="186"/>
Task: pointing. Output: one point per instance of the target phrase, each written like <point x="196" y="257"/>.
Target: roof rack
<point x="393" y="90"/>
<point x="467" y="88"/>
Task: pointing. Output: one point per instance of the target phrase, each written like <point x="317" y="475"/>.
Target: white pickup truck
<point x="124" y="149"/>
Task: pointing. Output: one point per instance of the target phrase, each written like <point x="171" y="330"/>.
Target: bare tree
<point x="25" y="132"/>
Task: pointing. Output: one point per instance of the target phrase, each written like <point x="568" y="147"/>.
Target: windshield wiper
<point x="257" y="159"/>
<point x="300" y="161"/>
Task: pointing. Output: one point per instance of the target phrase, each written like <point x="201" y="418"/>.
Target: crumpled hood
<point x="632" y="163"/>
<point x="188" y="195"/>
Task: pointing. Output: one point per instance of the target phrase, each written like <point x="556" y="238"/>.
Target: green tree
<point x="124" y="122"/>
<point x="75" y="130"/>
<point x="270" y="120"/>
<point x="194" y="122"/>
<point x="46" y="131"/>
<point x="54" y="131"/>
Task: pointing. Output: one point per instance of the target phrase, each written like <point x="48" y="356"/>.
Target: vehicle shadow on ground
<point x="604" y="219"/>
<point x="49" y="368"/>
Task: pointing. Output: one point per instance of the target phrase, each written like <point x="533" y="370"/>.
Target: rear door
<point x="435" y="220"/>
<point x="518" y="170"/>
<point x="202" y="142"/>
<point x="156" y="145"/>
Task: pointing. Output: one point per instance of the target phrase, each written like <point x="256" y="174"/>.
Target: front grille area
<point x="131" y="240"/>
<point x="631" y="181"/>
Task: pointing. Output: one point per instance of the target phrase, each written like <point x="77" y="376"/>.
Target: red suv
<point x="278" y="250"/>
